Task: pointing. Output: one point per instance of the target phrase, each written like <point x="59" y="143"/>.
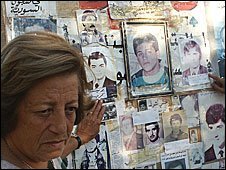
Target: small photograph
<point x="153" y="133"/>
<point x="110" y="111"/>
<point x="142" y="105"/>
<point x="176" y="104"/>
<point x="89" y="25"/>
<point x="193" y="61"/>
<point x="196" y="156"/>
<point x="132" y="136"/>
<point x="130" y="106"/>
<point x="23" y="25"/>
<point x="113" y="38"/>
<point x="175" y="126"/>
<point x="220" y="37"/>
<point x="87" y="155"/>
<point x="195" y="135"/>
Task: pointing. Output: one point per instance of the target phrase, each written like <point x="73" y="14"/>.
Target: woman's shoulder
<point x="8" y="165"/>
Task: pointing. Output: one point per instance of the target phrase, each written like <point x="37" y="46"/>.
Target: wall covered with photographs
<point x="149" y="63"/>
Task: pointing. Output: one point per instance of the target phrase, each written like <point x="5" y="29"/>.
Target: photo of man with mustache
<point x="90" y="34"/>
<point x="152" y="130"/>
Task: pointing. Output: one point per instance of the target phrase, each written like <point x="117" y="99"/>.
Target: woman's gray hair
<point x="31" y="57"/>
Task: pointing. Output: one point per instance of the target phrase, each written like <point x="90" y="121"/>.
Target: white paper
<point x="198" y="79"/>
<point x="151" y="115"/>
<point x="182" y="157"/>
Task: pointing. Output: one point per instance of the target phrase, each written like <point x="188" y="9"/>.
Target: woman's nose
<point x="58" y="122"/>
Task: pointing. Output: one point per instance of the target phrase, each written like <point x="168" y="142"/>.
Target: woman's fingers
<point x="97" y="108"/>
<point x="101" y="113"/>
<point x="218" y="83"/>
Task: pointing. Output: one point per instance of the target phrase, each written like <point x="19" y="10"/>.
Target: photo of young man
<point x="101" y="73"/>
<point x="147" y="56"/>
<point x="215" y="119"/>
<point x="152" y="135"/>
<point x="176" y="129"/>
<point x="192" y="56"/>
<point x="152" y="72"/>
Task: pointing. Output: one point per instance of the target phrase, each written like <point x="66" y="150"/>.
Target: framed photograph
<point x="147" y="58"/>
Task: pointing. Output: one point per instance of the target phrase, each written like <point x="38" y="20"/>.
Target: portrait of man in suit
<point x="98" y="64"/>
<point x="192" y="57"/>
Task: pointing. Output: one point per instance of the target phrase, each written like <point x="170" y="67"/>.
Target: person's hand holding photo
<point x="218" y="83"/>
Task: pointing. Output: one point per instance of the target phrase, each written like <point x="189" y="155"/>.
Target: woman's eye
<point x="70" y="110"/>
<point x="45" y="112"/>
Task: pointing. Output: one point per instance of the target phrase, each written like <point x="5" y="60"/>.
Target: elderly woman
<point x="43" y="95"/>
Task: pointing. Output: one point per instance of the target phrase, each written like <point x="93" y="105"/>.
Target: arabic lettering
<point x="25" y="7"/>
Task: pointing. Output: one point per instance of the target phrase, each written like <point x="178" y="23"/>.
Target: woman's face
<point x="46" y="117"/>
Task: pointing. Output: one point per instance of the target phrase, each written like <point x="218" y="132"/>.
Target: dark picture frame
<point x="145" y="41"/>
